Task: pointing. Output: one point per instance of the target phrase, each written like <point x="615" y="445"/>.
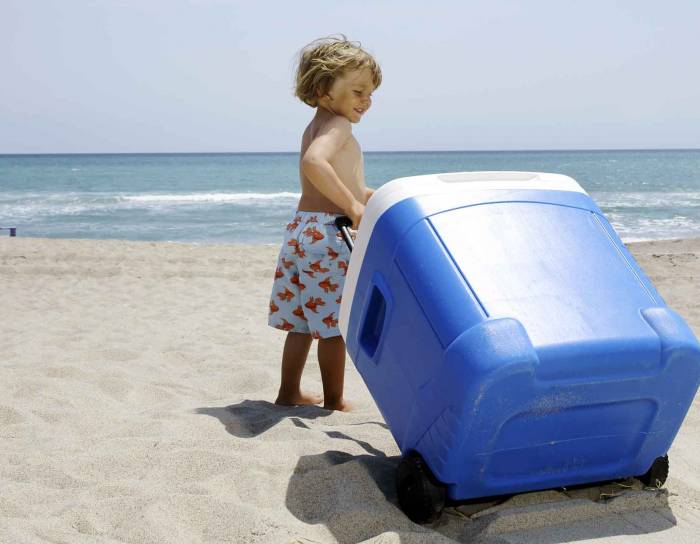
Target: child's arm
<point x="368" y="194"/>
<point x="317" y="167"/>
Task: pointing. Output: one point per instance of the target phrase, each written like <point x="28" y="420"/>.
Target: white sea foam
<point x="634" y="215"/>
<point x="647" y="199"/>
<point x="35" y="205"/>
<point x="189" y="198"/>
<point x="633" y="229"/>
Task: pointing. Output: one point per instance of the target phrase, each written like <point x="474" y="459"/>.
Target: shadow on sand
<point x="250" y="418"/>
<point x="354" y="495"/>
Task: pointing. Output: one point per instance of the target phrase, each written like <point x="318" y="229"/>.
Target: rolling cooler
<point x="510" y="340"/>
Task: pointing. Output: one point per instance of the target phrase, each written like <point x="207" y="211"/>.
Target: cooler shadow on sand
<point x="557" y="516"/>
<point x="354" y="497"/>
<point x="342" y="436"/>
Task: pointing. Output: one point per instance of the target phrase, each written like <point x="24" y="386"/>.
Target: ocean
<point x="249" y="197"/>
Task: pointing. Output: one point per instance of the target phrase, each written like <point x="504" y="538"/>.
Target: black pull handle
<point x="343" y="224"/>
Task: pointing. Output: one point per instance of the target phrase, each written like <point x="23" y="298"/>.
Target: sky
<point x="100" y="76"/>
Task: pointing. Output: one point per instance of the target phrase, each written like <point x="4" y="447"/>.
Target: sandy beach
<point x="136" y="406"/>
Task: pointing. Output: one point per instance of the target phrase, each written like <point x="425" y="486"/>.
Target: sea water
<point x="249" y="197"/>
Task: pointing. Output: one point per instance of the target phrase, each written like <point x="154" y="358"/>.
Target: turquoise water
<point x="249" y="197"/>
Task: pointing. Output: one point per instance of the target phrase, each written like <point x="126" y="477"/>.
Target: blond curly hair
<point x="324" y="60"/>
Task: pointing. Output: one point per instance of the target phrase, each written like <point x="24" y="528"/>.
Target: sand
<point x="135" y="406"/>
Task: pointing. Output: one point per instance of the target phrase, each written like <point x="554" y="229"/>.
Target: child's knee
<point x="332" y="340"/>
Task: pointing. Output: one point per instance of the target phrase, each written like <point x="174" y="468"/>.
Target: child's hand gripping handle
<point x="343" y="224"/>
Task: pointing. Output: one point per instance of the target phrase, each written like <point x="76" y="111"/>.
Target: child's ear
<point x="322" y="98"/>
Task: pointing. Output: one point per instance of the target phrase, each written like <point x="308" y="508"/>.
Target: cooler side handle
<point x="375" y="317"/>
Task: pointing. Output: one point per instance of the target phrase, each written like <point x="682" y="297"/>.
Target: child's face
<point x="350" y="95"/>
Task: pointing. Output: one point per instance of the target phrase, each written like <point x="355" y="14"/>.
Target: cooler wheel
<point x="657" y="474"/>
<point x="421" y="495"/>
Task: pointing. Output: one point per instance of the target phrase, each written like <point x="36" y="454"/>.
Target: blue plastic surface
<point x="511" y="339"/>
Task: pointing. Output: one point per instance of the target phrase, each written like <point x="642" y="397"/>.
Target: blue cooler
<point x="510" y="340"/>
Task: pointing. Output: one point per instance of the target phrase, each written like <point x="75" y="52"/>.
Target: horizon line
<point x="419" y="151"/>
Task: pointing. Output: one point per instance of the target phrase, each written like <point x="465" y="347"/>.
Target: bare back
<point x="348" y="164"/>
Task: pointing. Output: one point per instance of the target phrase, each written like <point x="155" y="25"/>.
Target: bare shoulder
<point x="328" y="138"/>
<point x="330" y="135"/>
<point x="338" y="124"/>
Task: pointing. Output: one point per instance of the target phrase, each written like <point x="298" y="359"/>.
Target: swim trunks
<point x="310" y="275"/>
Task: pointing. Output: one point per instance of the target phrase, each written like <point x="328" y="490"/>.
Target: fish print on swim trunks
<point x="310" y="275"/>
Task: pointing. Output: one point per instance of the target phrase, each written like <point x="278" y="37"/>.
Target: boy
<point x="337" y="78"/>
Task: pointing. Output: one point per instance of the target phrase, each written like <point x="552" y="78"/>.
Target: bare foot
<point x="342" y="405"/>
<point x="298" y="399"/>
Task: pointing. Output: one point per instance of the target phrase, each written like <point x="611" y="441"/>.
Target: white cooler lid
<point x="395" y="191"/>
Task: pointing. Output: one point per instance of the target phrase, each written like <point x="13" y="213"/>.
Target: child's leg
<point x="296" y="348"/>
<point x="331" y="358"/>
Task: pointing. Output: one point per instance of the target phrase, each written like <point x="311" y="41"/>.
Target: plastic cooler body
<point x="508" y="336"/>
